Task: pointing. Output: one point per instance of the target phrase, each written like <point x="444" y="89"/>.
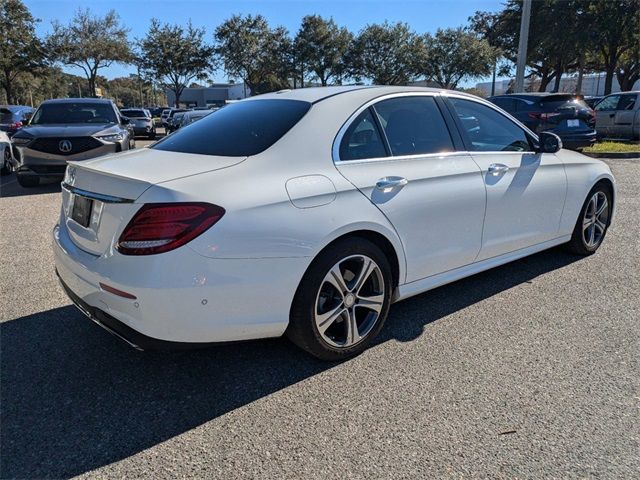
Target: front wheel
<point x="342" y="301"/>
<point x="593" y="221"/>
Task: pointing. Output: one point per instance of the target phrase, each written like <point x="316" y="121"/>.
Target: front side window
<point x="362" y="139"/>
<point x="608" y="103"/>
<point x="69" y="112"/>
<point x="487" y="130"/>
<point x="238" y="130"/>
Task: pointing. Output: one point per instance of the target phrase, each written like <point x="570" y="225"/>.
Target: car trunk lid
<point x="99" y="196"/>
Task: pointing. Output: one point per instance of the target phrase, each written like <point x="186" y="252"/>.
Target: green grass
<point x="613" y="147"/>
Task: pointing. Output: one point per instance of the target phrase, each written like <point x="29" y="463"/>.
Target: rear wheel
<point x="5" y="168"/>
<point x="27" y="181"/>
<point x="593" y="221"/>
<point x="342" y="301"/>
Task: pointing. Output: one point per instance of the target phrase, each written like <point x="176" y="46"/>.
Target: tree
<point x="455" y="54"/>
<point x="252" y="51"/>
<point x="320" y="47"/>
<point x="388" y="54"/>
<point x="20" y="49"/>
<point x="615" y="28"/>
<point x="90" y="43"/>
<point x="554" y="36"/>
<point x="176" y="56"/>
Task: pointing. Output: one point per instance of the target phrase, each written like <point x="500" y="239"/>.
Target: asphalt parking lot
<point x="530" y="370"/>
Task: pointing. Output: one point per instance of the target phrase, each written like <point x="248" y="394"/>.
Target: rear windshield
<point x="237" y="130"/>
<point x="53" y="113"/>
<point x="556" y="101"/>
<point x="134" y="113"/>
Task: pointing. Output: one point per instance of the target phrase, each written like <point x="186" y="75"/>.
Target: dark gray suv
<point x="66" y="130"/>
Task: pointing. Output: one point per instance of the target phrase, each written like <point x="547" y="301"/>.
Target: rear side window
<point x="627" y="102"/>
<point x="362" y="139"/>
<point x="414" y="126"/>
<point x="238" y="130"/>
<point x="487" y="130"/>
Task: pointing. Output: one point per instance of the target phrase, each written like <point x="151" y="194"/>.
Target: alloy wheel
<point x="349" y="301"/>
<point x="596" y="218"/>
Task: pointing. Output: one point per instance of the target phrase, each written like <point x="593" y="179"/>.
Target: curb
<point x="612" y="154"/>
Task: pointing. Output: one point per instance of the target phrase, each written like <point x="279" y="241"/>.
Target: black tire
<point x="302" y="329"/>
<point x="578" y="244"/>
<point x="5" y="167"/>
<point x="28" y="181"/>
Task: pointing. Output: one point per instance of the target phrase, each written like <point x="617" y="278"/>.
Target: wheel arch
<point x="391" y="247"/>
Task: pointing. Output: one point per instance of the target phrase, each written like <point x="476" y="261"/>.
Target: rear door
<point x="525" y="190"/>
<point x="400" y="154"/>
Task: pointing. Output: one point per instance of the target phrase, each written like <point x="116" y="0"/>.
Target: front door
<point x="525" y="190"/>
<point x="606" y="114"/>
<point x="400" y="155"/>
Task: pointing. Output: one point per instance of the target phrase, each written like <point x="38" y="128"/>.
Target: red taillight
<point x="15" y="125"/>
<point x="543" y="116"/>
<point x="160" y="227"/>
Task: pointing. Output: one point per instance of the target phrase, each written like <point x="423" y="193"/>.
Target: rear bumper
<point x="121" y="330"/>
<point x="580" y="140"/>
<point x="180" y="296"/>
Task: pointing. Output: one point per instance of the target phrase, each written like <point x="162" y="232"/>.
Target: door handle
<point x="388" y="183"/>
<point x="496" y="169"/>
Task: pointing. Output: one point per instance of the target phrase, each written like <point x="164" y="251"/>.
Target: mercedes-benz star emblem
<point x="65" y="146"/>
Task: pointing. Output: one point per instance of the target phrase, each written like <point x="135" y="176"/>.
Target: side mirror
<point x="549" y="142"/>
<point x="125" y="120"/>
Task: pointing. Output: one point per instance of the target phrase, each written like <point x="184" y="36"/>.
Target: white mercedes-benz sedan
<point x="309" y="212"/>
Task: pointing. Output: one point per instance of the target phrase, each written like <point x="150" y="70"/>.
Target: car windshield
<point x="134" y="113"/>
<point x="241" y="129"/>
<point x="81" y="112"/>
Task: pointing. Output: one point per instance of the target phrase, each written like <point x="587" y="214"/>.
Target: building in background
<point x="214" y="95"/>
<point x="592" y="85"/>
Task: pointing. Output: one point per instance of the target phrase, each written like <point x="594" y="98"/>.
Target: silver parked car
<point x="618" y="116"/>
<point x="141" y="122"/>
<point x="67" y="130"/>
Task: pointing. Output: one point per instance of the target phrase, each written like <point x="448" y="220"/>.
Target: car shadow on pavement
<point x="74" y="398"/>
<point x="9" y="187"/>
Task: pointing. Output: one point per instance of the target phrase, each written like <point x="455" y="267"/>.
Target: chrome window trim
<point x="335" y="150"/>
<point x="95" y="196"/>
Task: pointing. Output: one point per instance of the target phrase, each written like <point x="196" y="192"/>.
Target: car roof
<point x="78" y="100"/>
<point x="623" y="93"/>
<point x="317" y="94"/>
<point x="16" y="108"/>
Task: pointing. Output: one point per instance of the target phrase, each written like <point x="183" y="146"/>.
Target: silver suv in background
<point x="618" y="116"/>
<point x="66" y="130"/>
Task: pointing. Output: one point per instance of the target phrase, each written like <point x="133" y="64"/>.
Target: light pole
<point x="522" y="45"/>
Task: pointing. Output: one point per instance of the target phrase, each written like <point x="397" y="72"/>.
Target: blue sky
<point x="422" y="15"/>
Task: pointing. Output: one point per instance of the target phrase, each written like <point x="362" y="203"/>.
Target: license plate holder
<point x="81" y="210"/>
